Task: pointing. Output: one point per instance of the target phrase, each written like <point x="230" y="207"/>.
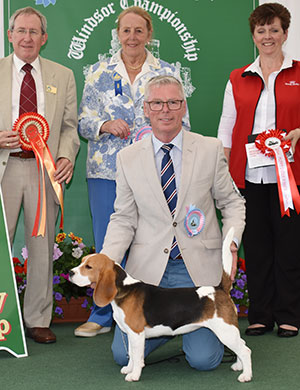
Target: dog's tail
<point x="227" y="260"/>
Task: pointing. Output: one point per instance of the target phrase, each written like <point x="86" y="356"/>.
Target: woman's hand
<point x="117" y="127"/>
<point x="9" y="139"/>
<point x="294" y="136"/>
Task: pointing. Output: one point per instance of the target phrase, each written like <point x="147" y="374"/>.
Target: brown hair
<point x="138" y="11"/>
<point x="266" y="13"/>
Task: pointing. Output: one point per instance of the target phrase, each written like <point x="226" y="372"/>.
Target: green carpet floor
<point x="87" y="364"/>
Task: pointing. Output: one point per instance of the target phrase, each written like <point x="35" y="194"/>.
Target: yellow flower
<point x="60" y="237"/>
<point x="75" y="238"/>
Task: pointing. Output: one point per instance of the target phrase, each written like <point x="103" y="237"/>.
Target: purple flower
<point x="89" y="292"/>
<point x="81" y="246"/>
<point x="65" y="276"/>
<point x="59" y="310"/>
<point x="85" y="303"/>
<point x="240" y="283"/>
<point x="237" y="294"/>
<point x="56" y="279"/>
<point x="57" y="253"/>
<point x="58" y="296"/>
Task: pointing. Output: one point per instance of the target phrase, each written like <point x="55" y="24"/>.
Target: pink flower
<point x="56" y="252"/>
<point x="24" y="253"/>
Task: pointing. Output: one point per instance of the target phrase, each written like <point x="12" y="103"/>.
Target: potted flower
<point x="239" y="291"/>
<point x="67" y="254"/>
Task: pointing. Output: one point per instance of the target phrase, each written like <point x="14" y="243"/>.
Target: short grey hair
<point x="159" y="81"/>
<point x="28" y="11"/>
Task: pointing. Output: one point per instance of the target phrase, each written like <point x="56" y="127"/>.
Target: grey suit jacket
<point x="60" y="108"/>
<point x="142" y="220"/>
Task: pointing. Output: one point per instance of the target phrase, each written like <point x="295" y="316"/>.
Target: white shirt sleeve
<point x="228" y="117"/>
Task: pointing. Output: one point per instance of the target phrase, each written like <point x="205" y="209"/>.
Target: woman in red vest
<point x="261" y="96"/>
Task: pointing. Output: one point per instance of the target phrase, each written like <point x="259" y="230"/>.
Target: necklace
<point x="134" y="67"/>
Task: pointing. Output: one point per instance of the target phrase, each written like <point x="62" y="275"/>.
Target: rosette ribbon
<point x="272" y="144"/>
<point x="34" y="132"/>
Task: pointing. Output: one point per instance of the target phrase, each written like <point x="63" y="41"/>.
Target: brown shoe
<point x="41" y="335"/>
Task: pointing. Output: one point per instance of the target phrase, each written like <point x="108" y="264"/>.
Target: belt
<point x="23" y="154"/>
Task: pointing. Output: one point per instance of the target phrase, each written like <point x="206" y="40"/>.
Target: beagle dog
<point x="135" y="304"/>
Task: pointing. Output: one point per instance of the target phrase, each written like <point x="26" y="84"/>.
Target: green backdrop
<point x="210" y="37"/>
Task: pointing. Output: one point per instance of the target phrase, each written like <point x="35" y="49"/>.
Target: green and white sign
<point x="11" y="325"/>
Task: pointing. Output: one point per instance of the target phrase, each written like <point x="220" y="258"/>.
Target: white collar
<point x="255" y="66"/>
<point x="157" y="144"/>
<point x="150" y="59"/>
<point x="20" y="63"/>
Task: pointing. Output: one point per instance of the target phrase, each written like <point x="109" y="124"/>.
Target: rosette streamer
<point x="272" y="144"/>
<point x="34" y="132"/>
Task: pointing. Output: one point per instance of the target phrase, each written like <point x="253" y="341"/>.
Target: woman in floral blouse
<point x="111" y="117"/>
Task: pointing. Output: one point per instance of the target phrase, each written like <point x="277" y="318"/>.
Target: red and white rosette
<point x="272" y="144"/>
<point x="34" y="132"/>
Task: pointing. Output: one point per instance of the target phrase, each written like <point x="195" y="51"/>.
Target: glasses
<point x="173" y="105"/>
<point x="23" y="31"/>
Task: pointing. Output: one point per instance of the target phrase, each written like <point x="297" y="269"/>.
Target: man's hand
<point x="234" y="250"/>
<point x="9" y="139"/>
<point x="64" y="170"/>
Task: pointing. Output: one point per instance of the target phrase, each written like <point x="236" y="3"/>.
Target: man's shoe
<point x="286" y="332"/>
<point x="41" y="335"/>
<point x="90" y="329"/>
<point x="258" y="331"/>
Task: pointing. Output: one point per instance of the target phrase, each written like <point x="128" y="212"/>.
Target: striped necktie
<point x="28" y="92"/>
<point x="168" y="184"/>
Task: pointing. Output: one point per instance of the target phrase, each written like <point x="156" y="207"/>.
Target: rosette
<point x="272" y="144"/>
<point x="194" y="221"/>
<point x="143" y="133"/>
<point x="34" y="132"/>
<point x="27" y="125"/>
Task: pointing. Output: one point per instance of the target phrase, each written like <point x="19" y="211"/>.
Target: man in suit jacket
<point x="56" y="101"/>
<point x="143" y="221"/>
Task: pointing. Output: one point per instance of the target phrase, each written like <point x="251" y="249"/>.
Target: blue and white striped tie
<point x="168" y="184"/>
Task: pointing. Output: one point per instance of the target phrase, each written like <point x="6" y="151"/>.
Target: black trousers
<point x="272" y="254"/>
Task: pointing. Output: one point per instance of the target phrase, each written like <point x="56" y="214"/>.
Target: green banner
<point x="206" y="38"/>
<point x="12" y="337"/>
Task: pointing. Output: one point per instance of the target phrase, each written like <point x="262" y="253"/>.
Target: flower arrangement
<point x="67" y="254"/>
<point x="239" y="291"/>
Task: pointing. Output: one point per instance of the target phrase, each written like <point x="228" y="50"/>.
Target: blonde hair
<point x="159" y="81"/>
<point x="138" y="11"/>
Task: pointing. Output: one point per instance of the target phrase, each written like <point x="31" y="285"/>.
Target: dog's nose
<point x="71" y="273"/>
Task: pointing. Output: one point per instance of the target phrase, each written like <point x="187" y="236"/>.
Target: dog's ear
<point x="106" y="289"/>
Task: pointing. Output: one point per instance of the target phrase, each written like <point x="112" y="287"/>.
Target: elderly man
<point x="30" y="83"/>
<point x="167" y="188"/>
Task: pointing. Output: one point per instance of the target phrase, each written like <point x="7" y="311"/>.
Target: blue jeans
<point x="202" y="348"/>
<point x="102" y="194"/>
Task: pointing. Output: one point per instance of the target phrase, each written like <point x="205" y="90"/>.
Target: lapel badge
<point x="51" y="89"/>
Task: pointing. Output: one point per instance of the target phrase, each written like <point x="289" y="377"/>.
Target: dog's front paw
<point x="125" y="370"/>
<point x="245" y="377"/>
<point x="237" y="366"/>
<point x="132" y="377"/>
